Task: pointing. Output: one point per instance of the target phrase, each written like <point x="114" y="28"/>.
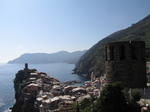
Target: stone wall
<point x="125" y="62"/>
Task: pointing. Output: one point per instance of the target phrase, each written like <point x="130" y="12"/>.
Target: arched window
<point x="105" y="53"/>
<point x="111" y="53"/>
<point x="122" y="52"/>
<point x="133" y="53"/>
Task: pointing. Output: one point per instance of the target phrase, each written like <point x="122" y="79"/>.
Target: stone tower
<point x="26" y="66"/>
<point x="125" y="62"/>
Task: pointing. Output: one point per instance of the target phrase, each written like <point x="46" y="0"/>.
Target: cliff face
<point x="19" y="83"/>
<point x="93" y="60"/>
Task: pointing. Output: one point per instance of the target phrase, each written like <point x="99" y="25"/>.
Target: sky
<point x="48" y="26"/>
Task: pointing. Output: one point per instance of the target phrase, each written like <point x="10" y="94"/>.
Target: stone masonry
<point x="125" y="62"/>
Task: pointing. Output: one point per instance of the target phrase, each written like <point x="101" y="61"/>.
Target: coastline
<point x="37" y="91"/>
<point x="8" y="71"/>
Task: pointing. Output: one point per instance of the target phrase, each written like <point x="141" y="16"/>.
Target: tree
<point x="112" y="99"/>
<point x="135" y="95"/>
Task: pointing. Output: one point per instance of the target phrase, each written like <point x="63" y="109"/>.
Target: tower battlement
<point x="125" y="62"/>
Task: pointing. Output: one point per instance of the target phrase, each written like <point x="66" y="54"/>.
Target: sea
<point x="61" y="71"/>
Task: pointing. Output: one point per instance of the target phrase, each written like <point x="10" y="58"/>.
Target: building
<point x="33" y="87"/>
<point x="26" y="66"/>
<point x="148" y="68"/>
<point x="93" y="76"/>
<point x="125" y="62"/>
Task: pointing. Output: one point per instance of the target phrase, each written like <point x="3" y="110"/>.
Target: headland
<point x="38" y="92"/>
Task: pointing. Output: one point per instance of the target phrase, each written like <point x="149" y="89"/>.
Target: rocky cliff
<point x="19" y="83"/>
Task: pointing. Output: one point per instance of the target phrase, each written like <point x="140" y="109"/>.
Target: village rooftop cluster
<point x="52" y="95"/>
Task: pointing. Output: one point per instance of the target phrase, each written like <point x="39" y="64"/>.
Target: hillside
<point x="93" y="59"/>
<point x="42" y="58"/>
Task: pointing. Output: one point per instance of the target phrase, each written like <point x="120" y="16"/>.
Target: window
<point x="122" y="52"/>
<point x="133" y="54"/>
<point x="111" y="53"/>
<point x="106" y="53"/>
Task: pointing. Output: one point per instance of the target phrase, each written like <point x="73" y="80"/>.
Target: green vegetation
<point x="113" y="99"/>
<point x="20" y="105"/>
<point x="20" y="76"/>
<point x="93" y="59"/>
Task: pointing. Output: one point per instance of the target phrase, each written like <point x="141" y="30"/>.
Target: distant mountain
<point x="93" y="59"/>
<point x="39" y="58"/>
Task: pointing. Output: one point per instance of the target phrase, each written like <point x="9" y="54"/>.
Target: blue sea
<point x="61" y="71"/>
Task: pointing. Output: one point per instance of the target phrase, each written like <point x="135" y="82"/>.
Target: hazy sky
<point x="47" y="26"/>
